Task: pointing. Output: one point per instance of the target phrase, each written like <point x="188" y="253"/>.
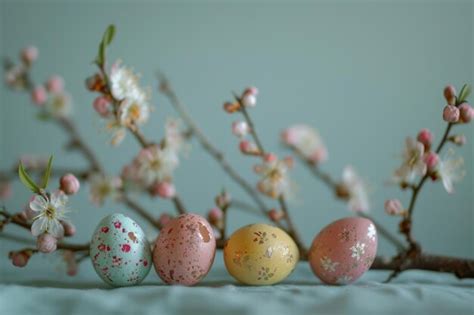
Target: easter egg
<point x="119" y="251"/>
<point x="260" y="254"/>
<point x="184" y="250"/>
<point x="343" y="250"/>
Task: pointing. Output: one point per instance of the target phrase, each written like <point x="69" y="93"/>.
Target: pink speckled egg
<point x="184" y="250"/>
<point x="344" y="250"/>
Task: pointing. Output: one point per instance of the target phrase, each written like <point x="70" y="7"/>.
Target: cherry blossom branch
<point x="17" y="220"/>
<point x="218" y="156"/>
<point x="457" y="111"/>
<point x="76" y="142"/>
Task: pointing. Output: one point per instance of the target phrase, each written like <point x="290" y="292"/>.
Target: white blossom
<point x="102" y="187"/>
<point x="306" y="141"/>
<point x="357" y="189"/>
<point x="274" y="181"/>
<point x="451" y="170"/>
<point x="413" y="164"/>
<point x="48" y="213"/>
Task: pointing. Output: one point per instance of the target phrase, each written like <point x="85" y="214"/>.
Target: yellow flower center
<point x="50" y="212"/>
<point x="134" y="111"/>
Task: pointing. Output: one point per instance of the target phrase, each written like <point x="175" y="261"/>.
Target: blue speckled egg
<point x="120" y="252"/>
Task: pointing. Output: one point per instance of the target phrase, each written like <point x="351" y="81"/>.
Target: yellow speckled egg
<point x="260" y="254"/>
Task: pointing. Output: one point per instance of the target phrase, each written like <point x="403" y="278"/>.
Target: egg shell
<point x="119" y="251"/>
<point x="344" y="250"/>
<point x="184" y="250"/>
<point x="260" y="254"/>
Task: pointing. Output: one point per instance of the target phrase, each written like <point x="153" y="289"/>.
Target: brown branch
<point x="77" y="143"/>
<point x="461" y="267"/>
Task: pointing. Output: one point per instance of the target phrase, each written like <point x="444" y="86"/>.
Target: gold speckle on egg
<point x="206" y="237"/>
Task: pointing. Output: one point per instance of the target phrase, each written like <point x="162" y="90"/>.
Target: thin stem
<point x="178" y="205"/>
<point x="135" y="131"/>
<point x="211" y="149"/>
<point x="281" y="199"/>
<point x="251" y="125"/>
<point x="292" y="228"/>
<point x="139" y="210"/>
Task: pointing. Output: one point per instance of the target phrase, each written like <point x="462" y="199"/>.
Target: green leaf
<point x="47" y="173"/>
<point x="109" y="35"/>
<point x="106" y="40"/>
<point x="26" y="179"/>
<point x="465" y="92"/>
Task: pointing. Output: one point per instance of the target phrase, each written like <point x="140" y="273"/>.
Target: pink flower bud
<point x="215" y="215"/>
<point x="249" y="100"/>
<point x="29" y="54"/>
<point x="466" y="112"/>
<point x="270" y="158"/>
<point x="69" y="184"/>
<point x="223" y="200"/>
<point x="38" y="95"/>
<point x="426" y="137"/>
<point x="20" y="259"/>
<point x="102" y="106"/>
<point x="55" y="84"/>
<point x="275" y="215"/>
<point x="5" y="190"/>
<point x="46" y="243"/>
<point x="451" y="114"/>
<point x="69" y="228"/>
<point x="164" y="190"/>
<point x="164" y="219"/>
<point x="240" y="128"/>
<point x="251" y="90"/>
<point x="450" y="94"/>
<point x="319" y="155"/>
<point x="431" y="160"/>
<point x="393" y="207"/>
<point x="459" y="140"/>
<point x="247" y="147"/>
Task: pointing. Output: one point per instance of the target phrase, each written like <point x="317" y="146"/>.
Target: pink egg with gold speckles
<point x="344" y="250"/>
<point x="184" y="250"/>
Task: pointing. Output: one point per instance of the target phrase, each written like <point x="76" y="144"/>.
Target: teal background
<point x="365" y="74"/>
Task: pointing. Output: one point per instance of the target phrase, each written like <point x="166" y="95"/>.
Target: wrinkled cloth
<point x="30" y="291"/>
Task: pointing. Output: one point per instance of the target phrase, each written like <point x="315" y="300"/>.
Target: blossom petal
<point x="55" y="228"/>
<point x="58" y="199"/>
<point x="38" y="226"/>
<point x="39" y="203"/>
